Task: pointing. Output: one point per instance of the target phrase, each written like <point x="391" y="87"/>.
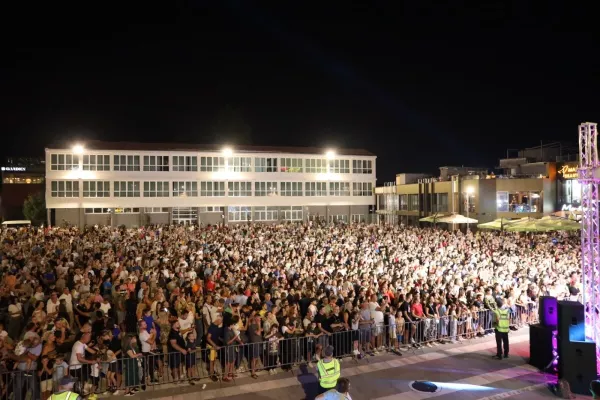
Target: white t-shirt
<point x="78" y="348"/>
<point x="68" y="300"/>
<point x="51" y="307"/>
<point x="187" y="323"/>
<point x="105" y="307"/>
<point x="378" y="318"/>
<point x="146" y="347"/>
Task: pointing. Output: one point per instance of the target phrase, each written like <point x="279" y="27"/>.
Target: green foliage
<point x="34" y="208"/>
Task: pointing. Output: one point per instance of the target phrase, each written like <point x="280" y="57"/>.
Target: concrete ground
<point x="464" y="371"/>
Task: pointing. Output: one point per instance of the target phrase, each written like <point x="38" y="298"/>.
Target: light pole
<point x="469" y="192"/>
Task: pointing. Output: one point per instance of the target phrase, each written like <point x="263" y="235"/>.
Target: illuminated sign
<point x="14" y="169"/>
<point x="568" y="171"/>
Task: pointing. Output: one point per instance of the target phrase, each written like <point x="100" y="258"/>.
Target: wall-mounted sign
<point x="13" y="169"/>
<point x="568" y="171"/>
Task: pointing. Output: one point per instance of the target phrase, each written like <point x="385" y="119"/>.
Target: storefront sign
<point x="13" y="169"/>
<point x="568" y="171"/>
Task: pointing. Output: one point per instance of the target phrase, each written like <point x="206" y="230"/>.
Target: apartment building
<point x="135" y="184"/>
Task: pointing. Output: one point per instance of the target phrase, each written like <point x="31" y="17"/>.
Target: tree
<point x="34" y="208"/>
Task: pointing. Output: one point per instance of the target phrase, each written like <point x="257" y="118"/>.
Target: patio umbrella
<point x="528" y="225"/>
<point x="498" y="224"/>
<point x="560" y="224"/>
<point x="457" y="219"/>
<point x="433" y="218"/>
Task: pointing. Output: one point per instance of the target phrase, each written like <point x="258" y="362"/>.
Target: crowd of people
<point x="119" y="309"/>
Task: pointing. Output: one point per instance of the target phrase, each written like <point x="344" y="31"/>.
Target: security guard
<point x="502" y="326"/>
<point x="65" y="390"/>
<point x="329" y="371"/>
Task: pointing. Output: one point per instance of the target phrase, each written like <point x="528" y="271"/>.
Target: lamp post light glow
<point x="78" y="149"/>
<point x="330" y="154"/>
<point x="227" y="152"/>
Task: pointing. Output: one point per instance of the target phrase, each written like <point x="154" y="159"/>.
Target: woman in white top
<point x="15" y="322"/>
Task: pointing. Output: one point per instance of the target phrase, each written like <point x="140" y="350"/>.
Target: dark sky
<point x="420" y="85"/>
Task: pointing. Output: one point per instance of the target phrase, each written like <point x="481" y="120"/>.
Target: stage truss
<point x="589" y="170"/>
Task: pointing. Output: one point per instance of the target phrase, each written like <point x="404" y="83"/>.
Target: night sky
<point x="419" y="85"/>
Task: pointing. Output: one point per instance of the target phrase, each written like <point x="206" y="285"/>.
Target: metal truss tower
<point x="589" y="177"/>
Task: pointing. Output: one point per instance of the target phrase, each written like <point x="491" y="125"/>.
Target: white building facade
<point x="138" y="184"/>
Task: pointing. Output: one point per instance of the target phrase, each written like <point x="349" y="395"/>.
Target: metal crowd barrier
<point x="153" y="370"/>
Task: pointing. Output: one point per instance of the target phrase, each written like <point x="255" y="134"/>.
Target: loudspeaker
<point x="548" y="311"/>
<point x="571" y="322"/>
<point x="540" y="346"/>
<point x="577" y="365"/>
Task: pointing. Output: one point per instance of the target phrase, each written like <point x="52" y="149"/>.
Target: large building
<point x="135" y="184"/>
<point x="533" y="182"/>
<point x="21" y="177"/>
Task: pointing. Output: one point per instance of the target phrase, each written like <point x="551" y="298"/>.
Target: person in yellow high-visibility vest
<point x="65" y="390"/>
<point x="501" y="328"/>
<point x="329" y="370"/>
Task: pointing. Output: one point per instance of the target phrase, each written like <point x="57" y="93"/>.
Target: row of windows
<point x="208" y="189"/>
<point x="100" y="162"/>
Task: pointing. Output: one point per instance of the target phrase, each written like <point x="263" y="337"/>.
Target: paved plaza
<point x="464" y="371"/>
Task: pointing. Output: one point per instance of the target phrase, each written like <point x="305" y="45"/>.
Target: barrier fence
<point x="224" y="364"/>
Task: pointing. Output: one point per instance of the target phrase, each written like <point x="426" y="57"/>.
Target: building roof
<point x="133" y="146"/>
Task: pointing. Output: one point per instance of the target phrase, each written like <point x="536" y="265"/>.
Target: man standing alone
<point x="502" y="326"/>
<point x="329" y="370"/>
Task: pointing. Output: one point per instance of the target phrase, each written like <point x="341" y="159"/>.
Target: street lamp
<point x="227" y="152"/>
<point x="330" y="154"/>
<point x="469" y="192"/>
<point x="78" y="149"/>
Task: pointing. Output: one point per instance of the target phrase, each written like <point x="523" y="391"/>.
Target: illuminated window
<point x="156" y="189"/>
<point x="362" y="166"/>
<point x="265" y="188"/>
<point x="267" y="213"/>
<point x="291" y="213"/>
<point x="339" y="166"/>
<point x="316" y="165"/>
<point x="362" y="189"/>
<point x="338" y="218"/>
<point x="185" y="163"/>
<point x="239" y="213"/>
<point x="358" y="218"/>
<point x="239" y="164"/>
<point x="64" y="162"/>
<point x="212" y="164"/>
<point x="96" y="189"/>
<point x="189" y="189"/>
<point x="126" y="163"/>
<point x="127" y="188"/>
<point x="156" y="210"/>
<point x="64" y="188"/>
<point x="239" y="189"/>
<point x="127" y="210"/>
<point x="265" y="164"/>
<point x="291" y="165"/>
<point x="315" y="188"/>
<point x="156" y="163"/>
<point x="212" y="189"/>
<point x="96" y="162"/>
<point x="339" y="188"/>
<point x="97" y="210"/>
<point x="291" y="189"/>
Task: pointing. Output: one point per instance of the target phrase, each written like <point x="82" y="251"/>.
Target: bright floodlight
<point x="227" y="152"/>
<point x="470" y="190"/>
<point x="78" y="149"/>
<point x="330" y="154"/>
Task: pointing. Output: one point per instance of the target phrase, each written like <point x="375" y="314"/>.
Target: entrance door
<point x="185" y="216"/>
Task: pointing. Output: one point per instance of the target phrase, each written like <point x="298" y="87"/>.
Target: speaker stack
<point x="577" y="357"/>
<point x="542" y="350"/>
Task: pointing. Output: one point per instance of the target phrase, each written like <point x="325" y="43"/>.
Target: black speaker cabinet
<point x="571" y="322"/>
<point x="548" y="311"/>
<point x="577" y="365"/>
<point x="540" y="346"/>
